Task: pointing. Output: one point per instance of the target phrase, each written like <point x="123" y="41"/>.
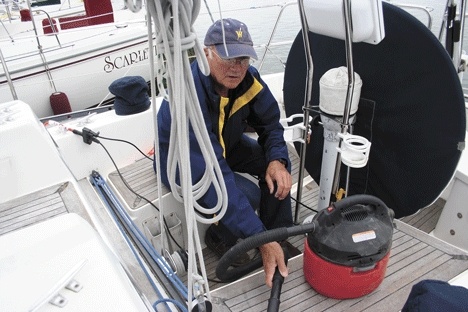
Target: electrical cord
<point x="124" y="141"/>
<point x="304" y="205"/>
<point x="87" y="133"/>
<point x="297" y="201"/>
<point x="90" y="136"/>
<point x="140" y="196"/>
<point x="130" y="188"/>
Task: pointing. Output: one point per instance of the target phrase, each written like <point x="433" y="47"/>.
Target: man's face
<point x="227" y="73"/>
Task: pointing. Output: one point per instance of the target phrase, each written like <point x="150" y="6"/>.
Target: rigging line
<point x="174" y="36"/>
<point x="41" y="53"/>
<point x="209" y="11"/>
<point x="134" y="5"/>
<point x="252" y="7"/>
<point x="222" y="28"/>
<point x="159" y="86"/>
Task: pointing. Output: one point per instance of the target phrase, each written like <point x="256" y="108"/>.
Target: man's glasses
<point x="243" y="61"/>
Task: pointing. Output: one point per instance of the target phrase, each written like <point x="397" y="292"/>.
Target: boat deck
<point x="426" y="218"/>
<point x="415" y="255"/>
<point x="62" y="199"/>
<point x="40" y="206"/>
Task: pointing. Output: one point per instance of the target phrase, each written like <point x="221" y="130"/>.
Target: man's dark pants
<point x="248" y="157"/>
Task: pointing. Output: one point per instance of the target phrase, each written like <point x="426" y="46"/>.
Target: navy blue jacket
<point x="251" y="103"/>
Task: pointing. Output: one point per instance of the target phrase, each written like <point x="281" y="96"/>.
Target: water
<point x="260" y="17"/>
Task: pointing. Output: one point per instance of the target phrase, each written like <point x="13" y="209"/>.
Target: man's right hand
<point x="273" y="256"/>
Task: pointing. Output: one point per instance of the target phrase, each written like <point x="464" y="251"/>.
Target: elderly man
<point x="232" y="98"/>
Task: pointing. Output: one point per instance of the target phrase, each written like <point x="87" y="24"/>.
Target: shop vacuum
<point x="346" y="255"/>
<point x="346" y="249"/>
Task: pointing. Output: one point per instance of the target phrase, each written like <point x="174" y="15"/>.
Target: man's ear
<point x="208" y="52"/>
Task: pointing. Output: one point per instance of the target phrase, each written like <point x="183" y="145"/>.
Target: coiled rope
<point x="174" y="36"/>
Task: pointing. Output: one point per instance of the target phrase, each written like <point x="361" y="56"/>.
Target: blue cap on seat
<point x="237" y="38"/>
<point x="131" y="95"/>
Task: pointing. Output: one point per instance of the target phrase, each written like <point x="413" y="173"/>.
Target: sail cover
<point x="411" y="108"/>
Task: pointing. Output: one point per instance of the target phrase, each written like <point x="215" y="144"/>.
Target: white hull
<point x="80" y="62"/>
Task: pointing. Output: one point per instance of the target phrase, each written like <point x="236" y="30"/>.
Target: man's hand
<point x="276" y="172"/>
<point x="273" y="256"/>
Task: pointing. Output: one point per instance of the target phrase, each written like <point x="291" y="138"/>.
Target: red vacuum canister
<point x="347" y="254"/>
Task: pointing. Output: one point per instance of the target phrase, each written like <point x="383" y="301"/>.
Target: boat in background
<point x="69" y="67"/>
<point x="86" y="224"/>
<point x="18" y="11"/>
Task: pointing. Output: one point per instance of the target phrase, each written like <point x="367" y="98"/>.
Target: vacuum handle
<point x="363" y="199"/>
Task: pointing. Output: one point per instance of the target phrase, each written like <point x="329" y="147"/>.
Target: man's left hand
<point x="276" y="172"/>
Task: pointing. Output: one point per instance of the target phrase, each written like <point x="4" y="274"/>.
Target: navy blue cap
<point x="237" y="38"/>
<point x="131" y="95"/>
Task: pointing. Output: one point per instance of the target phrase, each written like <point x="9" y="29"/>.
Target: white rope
<point x="174" y="36"/>
<point x="133" y="5"/>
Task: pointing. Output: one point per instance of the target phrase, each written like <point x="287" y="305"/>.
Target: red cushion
<point x="97" y="12"/>
<point x="47" y="28"/>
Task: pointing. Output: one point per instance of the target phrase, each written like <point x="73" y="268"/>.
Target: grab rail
<point x="41" y="52"/>
<point x="8" y="77"/>
<point x="424" y="9"/>
<point x="267" y="46"/>
<point x="52" y="25"/>
<point x="6" y="30"/>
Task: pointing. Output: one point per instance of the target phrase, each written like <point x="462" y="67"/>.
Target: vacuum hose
<point x="252" y="242"/>
<point x="281" y="234"/>
<point x="255" y="241"/>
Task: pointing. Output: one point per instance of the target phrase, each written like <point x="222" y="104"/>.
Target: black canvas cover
<point x="411" y="109"/>
<point x="44" y="2"/>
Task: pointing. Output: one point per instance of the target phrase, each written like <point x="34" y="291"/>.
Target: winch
<point x="346" y="255"/>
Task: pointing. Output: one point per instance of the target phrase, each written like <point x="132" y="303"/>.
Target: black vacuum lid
<point x="353" y="232"/>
